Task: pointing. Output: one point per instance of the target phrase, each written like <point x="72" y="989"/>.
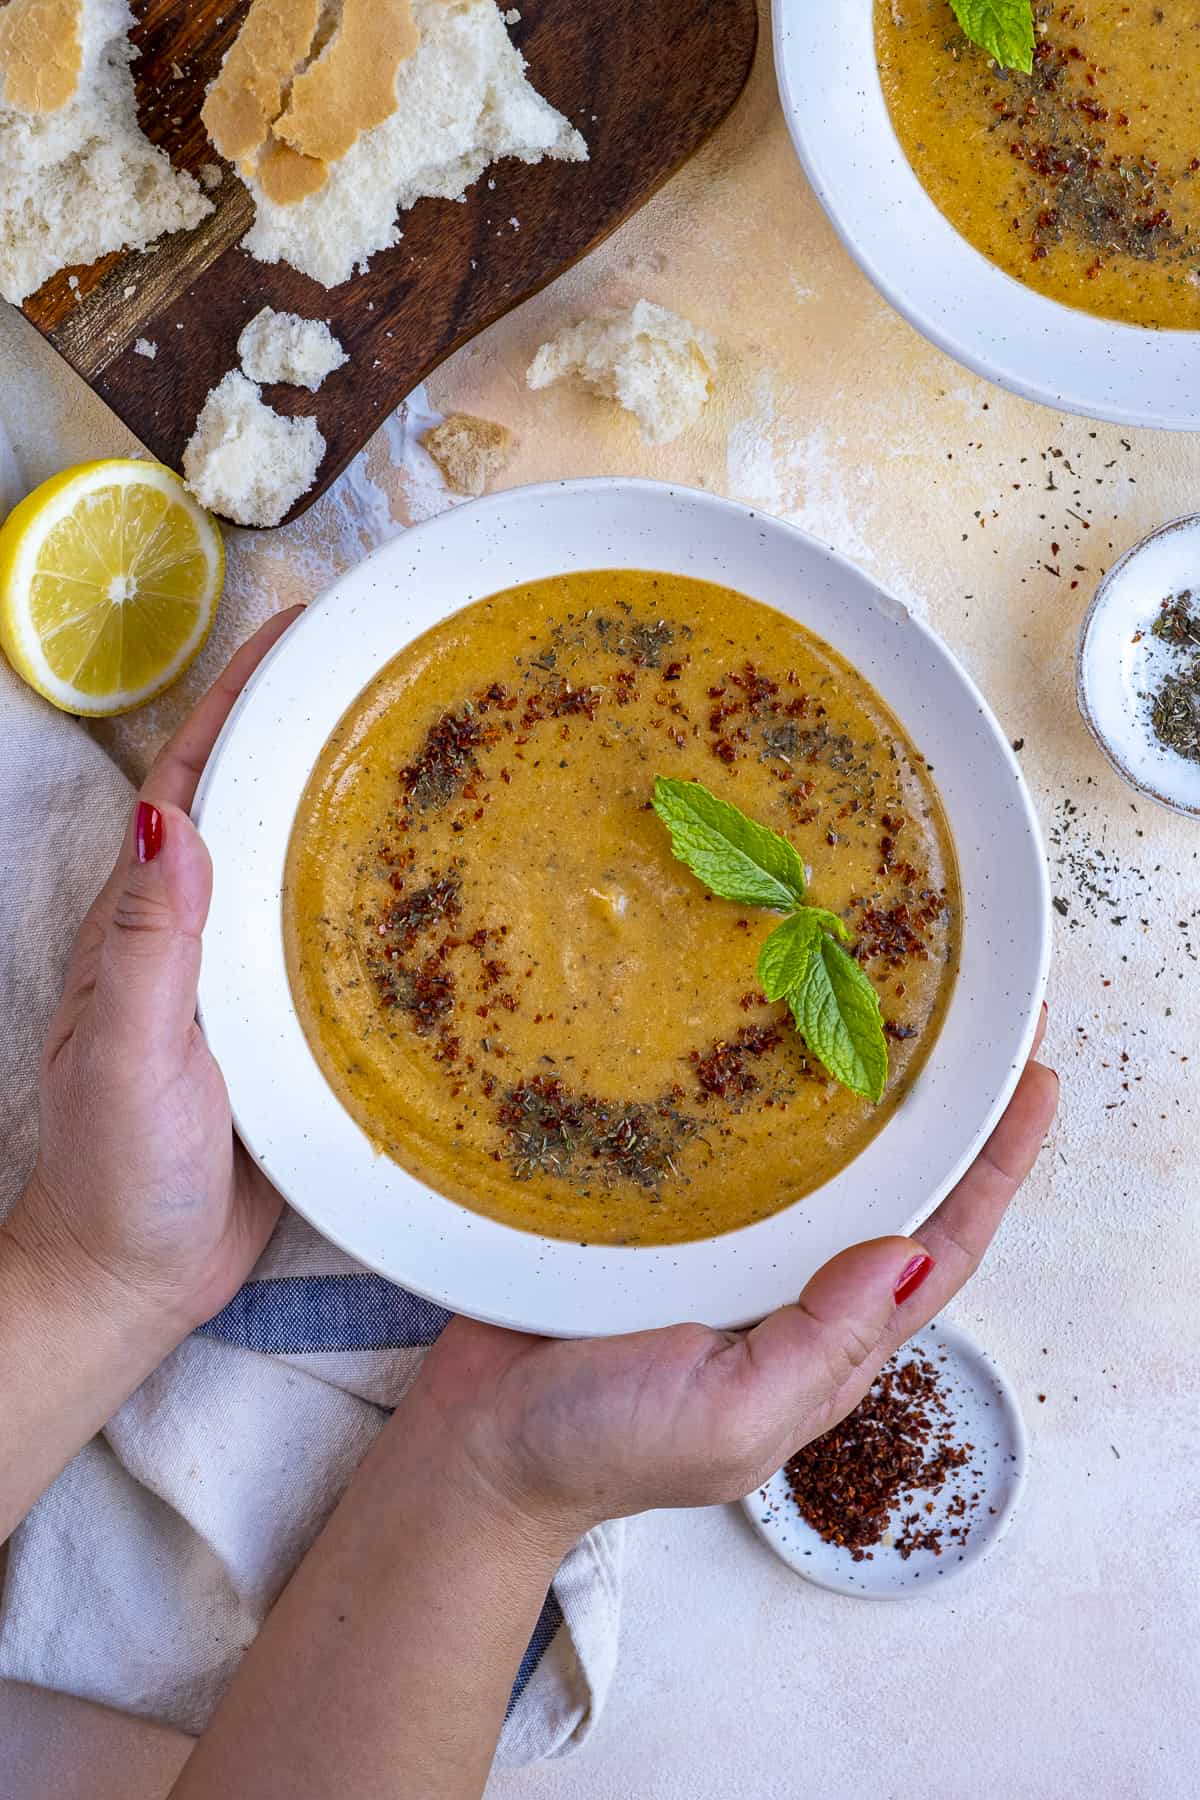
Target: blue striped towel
<point x="141" y="1577"/>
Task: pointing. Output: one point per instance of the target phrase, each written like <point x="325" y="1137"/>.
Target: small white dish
<point x="838" y="117"/>
<point x="288" y="1115"/>
<point x="1120" y="663"/>
<point x="987" y="1416"/>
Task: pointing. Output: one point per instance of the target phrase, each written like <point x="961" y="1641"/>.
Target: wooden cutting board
<point x="645" y="81"/>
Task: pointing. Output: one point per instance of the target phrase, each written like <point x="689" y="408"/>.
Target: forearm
<point x="386" y="1665"/>
<point x="72" y="1349"/>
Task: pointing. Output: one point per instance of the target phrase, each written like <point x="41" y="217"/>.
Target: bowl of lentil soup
<point x="481" y="1027"/>
<point x="1042" y="228"/>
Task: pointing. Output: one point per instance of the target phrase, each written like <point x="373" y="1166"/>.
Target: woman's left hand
<point x="141" y="1195"/>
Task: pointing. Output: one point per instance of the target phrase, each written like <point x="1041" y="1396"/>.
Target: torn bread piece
<point x="251" y="90"/>
<point x="468" y="451"/>
<point x="302" y="83"/>
<point x="277" y="346"/>
<point x="645" y="357"/>
<point x="246" y="461"/>
<point x="41" y="53"/>
<point x="77" y="177"/>
<point x="462" y="101"/>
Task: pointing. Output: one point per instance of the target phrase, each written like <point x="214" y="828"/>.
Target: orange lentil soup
<point x="506" y="977"/>
<point x="1082" y="179"/>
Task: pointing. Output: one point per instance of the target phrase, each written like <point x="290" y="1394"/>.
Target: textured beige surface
<point x="1063" y="1666"/>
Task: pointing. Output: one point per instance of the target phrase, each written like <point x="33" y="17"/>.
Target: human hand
<point x="564" y="1434"/>
<point x="141" y="1197"/>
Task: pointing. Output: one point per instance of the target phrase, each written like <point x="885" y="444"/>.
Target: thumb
<point x="813" y="1362"/>
<point x="150" y="959"/>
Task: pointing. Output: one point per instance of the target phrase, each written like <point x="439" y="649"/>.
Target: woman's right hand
<point x="563" y="1434"/>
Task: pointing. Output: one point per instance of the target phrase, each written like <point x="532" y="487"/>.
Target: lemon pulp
<point x="109" y="578"/>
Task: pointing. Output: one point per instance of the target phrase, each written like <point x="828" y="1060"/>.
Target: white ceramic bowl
<point x="832" y="98"/>
<point x="313" y="1150"/>
<point x="1119" y="663"/>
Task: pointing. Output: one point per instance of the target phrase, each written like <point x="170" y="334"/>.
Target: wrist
<point x="450" y="1463"/>
<point x="74" y="1298"/>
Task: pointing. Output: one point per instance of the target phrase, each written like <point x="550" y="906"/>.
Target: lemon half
<point x="110" y="575"/>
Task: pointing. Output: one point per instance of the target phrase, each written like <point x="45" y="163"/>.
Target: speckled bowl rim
<point x="1092" y="620"/>
<point x="290" y="1119"/>
<point x="1037" y="347"/>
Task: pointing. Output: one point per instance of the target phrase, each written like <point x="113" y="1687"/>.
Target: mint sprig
<point x="1004" y="28"/>
<point x="730" y="854"/>
<point x="835" y="1008"/>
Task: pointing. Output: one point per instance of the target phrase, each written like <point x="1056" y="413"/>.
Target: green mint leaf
<point x="784" y="958"/>
<point x="1004" y="28"/>
<point x="829" y="922"/>
<point x="728" y="852"/>
<point x="837" y="1012"/>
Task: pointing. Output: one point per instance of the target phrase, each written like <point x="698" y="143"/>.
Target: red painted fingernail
<point x="911" y="1276"/>
<point x="147" y="832"/>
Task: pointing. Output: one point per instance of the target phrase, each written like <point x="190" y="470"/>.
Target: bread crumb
<point x="143" y="347"/>
<point x="246" y="461"/>
<point x="277" y="346"/>
<point x="81" y="179"/>
<point x="469" y="451"/>
<point x="73" y="283"/>
<point x="462" y="102"/>
<point x="210" y="176"/>
<point x="648" y="359"/>
<point x="512" y="16"/>
<point x="128" y="292"/>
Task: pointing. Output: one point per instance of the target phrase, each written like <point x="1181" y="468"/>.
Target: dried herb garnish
<point x="426" y="993"/>
<point x="898" y="1441"/>
<point x="437" y="900"/>
<point x="446" y="760"/>
<point x="552" y="1130"/>
<point x="1175" y="704"/>
<point x="1175" y="713"/>
<point x="1079" y="187"/>
<point x="1177" y="623"/>
<point x="642" y="642"/>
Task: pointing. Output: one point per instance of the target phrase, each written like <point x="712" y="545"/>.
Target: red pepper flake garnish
<point x="723" y="1070"/>
<point x="897" y="1442"/>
